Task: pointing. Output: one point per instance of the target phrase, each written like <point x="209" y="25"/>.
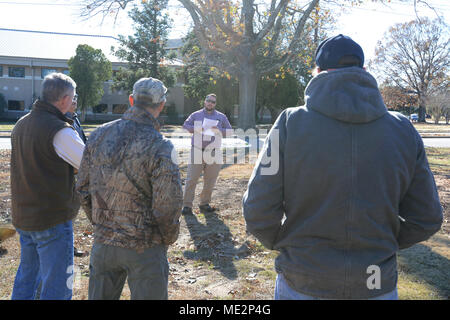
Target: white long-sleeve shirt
<point x="69" y="146"/>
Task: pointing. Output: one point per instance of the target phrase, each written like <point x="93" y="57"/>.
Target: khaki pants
<point x="201" y="162"/>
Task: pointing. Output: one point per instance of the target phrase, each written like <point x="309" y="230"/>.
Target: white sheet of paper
<point x="207" y="125"/>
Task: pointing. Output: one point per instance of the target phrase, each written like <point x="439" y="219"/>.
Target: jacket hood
<point x="348" y="94"/>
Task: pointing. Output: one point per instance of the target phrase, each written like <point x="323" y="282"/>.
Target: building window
<point x="16" y="105"/>
<point x="119" y="108"/>
<point x="1" y="71"/>
<point x="16" y="72"/>
<point x="45" y="72"/>
<point x="100" y="108"/>
<point x="66" y="72"/>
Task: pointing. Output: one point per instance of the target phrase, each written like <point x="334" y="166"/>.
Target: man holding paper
<point x="207" y="126"/>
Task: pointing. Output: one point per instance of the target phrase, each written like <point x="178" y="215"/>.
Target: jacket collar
<point x="348" y="94"/>
<point x="71" y="115"/>
<point x="43" y="106"/>
<point x="141" y="115"/>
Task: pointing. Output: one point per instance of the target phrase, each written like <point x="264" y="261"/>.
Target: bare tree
<point x="415" y="56"/>
<point x="438" y="105"/>
<point x="245" y="38"/>
<point x="104" y="8"/>
<point x="397" y="99"/>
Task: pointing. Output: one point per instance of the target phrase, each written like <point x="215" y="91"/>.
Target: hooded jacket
<point x="352" y="187"/>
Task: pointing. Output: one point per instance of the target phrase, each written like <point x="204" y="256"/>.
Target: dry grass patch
<point x="214" y="257"/>
<point x="424" y="270"/>
<point x="432" y="127"/>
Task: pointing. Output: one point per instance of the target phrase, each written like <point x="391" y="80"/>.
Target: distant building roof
<point x="51" y="45"/>
<point x="54" y="45"/>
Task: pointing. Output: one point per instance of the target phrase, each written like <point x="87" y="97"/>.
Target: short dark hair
<point x="349" y="61"/>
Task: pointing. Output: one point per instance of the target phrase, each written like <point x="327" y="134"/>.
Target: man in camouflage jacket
<point x="131" y="192"/>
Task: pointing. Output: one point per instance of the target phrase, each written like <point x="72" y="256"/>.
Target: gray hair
<point x="55" y="86"/>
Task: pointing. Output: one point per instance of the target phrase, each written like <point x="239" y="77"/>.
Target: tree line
<point x="260" y="56"/>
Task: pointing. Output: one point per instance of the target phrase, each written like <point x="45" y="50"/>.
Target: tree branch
<point x="248" y="13"/>
<point x="92" y="8"/>
<point x="273" y="16"/>
<point x="297" y="34"/>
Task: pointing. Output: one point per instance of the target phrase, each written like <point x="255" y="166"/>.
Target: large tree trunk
<point x="248" y="80"/>
<point x="422" y="109"/>
<point x="421" y="114"/>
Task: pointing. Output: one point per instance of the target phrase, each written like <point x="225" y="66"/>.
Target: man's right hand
<point x="198" y="130"/>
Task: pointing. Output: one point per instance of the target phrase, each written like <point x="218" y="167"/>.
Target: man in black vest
<point x="45" y="151"/>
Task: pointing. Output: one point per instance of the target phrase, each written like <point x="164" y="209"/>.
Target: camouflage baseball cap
<point x="149" y="91"/>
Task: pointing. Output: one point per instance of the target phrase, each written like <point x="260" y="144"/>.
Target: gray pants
<point x="147" y="272"/>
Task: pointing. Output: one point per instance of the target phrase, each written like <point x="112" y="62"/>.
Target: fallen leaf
<point x="6" y="232"/>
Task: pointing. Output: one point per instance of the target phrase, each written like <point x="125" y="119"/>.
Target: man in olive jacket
<point x="353" y="186"/>
<point x="131" y="191"/>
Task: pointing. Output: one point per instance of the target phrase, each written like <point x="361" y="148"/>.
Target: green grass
<point x="432" y="127"/>
<point x="6" y="126"/>
<point x="439" y="160"/>
<point x="424" y="270"/>
<point x="426" y="127"/>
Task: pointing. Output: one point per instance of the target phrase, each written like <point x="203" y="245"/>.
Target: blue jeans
<point x="46" y="262"/>
<point x="284" y="292"/>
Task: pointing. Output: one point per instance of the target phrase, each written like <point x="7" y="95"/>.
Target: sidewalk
<point x="178" y="132"/>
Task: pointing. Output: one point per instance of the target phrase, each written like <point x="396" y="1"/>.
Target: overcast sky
<point x="366" y="24"/>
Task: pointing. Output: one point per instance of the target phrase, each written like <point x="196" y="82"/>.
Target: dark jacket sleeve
<point x="420" y="209"/>
<point x="82" y="185"/>
<point x="263" y="207"/>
